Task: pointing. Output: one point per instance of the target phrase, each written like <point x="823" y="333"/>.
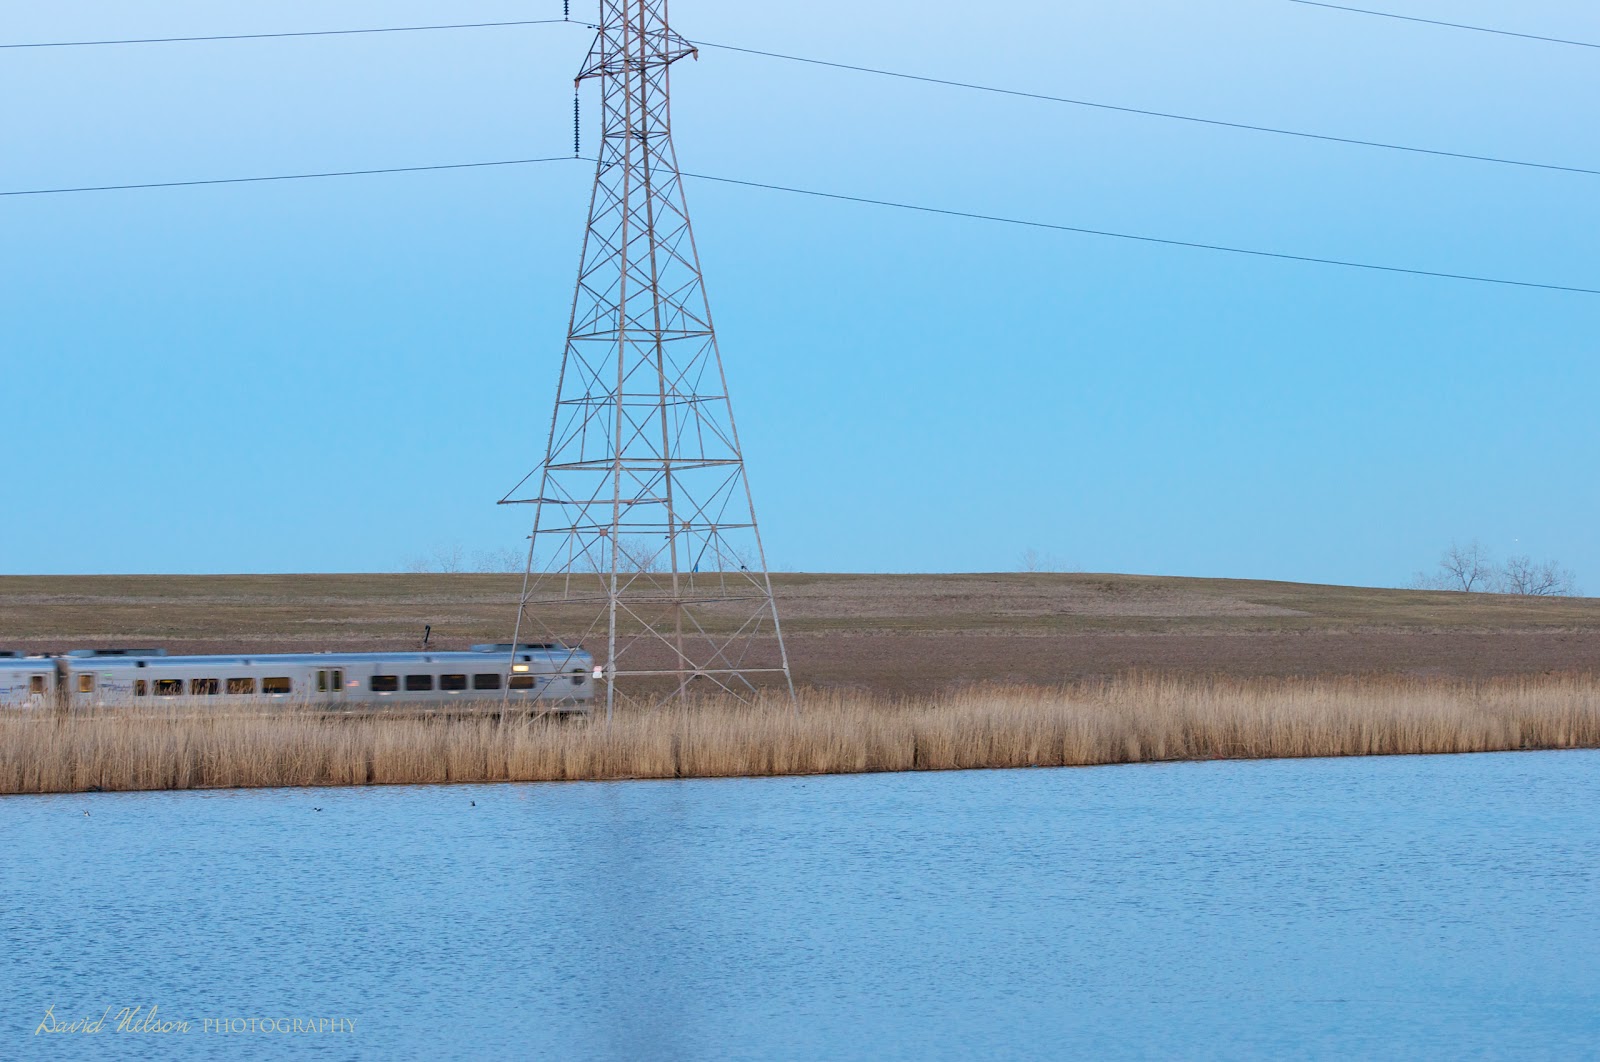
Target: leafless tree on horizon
<point x="1033" y="560"/>
<point x="1465" y="568"/>
<point x="1522" y="575"/>
<point x="1471" y="569"/>
<point x="451" y="559"/>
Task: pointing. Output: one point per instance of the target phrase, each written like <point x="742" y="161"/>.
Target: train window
<point x="36" y="684"/>
<point x="385" y="683"/>
<point x="419" y="683"/>
<point x="452" y="683"/>
<point x="338" y="681"/>
<point x="85" y="683"/>
<point x="485" y="682"/>
<point x="169" y="687"/>
<point x="241" y="686"/>
<point x="203" y="687"/>
<point x="141" y="688"/>
<point x="322" y="682"/>
<point x="524" y="682"/>
<point x="277" y="685"/>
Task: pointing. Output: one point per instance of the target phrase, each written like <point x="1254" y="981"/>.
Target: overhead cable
<point x="947" y="82"/>
<point x="865" y="200"/>
<point x="1450" y="25"/>
<point x="299" y="33"/>
<point x="282" y="177"/>
<point x="1146" y="112"/>
<point x="1344" y="263"/>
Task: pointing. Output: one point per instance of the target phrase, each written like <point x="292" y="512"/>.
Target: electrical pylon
<point x="644" y="528"/>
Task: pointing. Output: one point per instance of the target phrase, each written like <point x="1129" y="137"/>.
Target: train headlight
<point x="519" y="668"/>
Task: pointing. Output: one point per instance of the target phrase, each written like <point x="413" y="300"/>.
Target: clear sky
<point x="345" y="374"/>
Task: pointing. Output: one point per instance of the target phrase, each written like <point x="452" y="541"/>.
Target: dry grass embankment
<point x="1125" y="720"/>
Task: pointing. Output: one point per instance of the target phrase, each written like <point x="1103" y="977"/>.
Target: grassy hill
<point x="878" y="631"/>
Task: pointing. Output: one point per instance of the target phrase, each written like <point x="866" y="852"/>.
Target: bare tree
<point x="639" y="554"/>
<point x="448" y="558"/>
<point x="1465" y="568"/>
<point x="1033" y="560"/>
<point x="648" y="555"/>
<point x="1521" y="575"/>
<point x="1470" y="569"/>
<point x="734" y="559"/>
<point x="497" y="561"/>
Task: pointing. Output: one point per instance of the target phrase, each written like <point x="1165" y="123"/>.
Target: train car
<point x="551" y="676"/>
<point x="27" y="681"/>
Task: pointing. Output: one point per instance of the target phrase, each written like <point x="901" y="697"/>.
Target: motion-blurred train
<point x="548" y="677"/>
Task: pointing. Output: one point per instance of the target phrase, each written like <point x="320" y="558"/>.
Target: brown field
<point x="1126" y="720"/>
<point x="884" y="634"/>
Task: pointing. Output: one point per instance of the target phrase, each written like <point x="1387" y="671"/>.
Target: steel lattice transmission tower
<point x="644" y="528"/>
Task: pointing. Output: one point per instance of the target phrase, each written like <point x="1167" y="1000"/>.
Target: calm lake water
<point x="1441" y="907"/>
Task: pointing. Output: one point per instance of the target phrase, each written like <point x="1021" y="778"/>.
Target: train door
<point x="330" y="684"/>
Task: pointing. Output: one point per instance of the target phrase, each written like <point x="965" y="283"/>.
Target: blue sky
<point x="345" y="374"/>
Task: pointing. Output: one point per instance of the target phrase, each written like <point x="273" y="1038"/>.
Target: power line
<point x="283" y="177"/>
<point x="947" y="82"/>
<point x="301" y="33"/>
<point x="1222" y="123"/>
<point x="1345" y="263"/>
<point x="840" y="197"/>
<point x="1451" y="25"/>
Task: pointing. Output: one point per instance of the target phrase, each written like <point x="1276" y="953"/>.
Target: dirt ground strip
<point x="881" y="632"/>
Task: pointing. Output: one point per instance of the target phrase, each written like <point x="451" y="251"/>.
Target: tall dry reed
<point x="1126" y="720"/>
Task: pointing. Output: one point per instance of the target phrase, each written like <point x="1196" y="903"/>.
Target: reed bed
<point x="1132" y="719"/>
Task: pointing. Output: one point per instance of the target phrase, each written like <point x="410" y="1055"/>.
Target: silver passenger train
<point x="551" y="677"/>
